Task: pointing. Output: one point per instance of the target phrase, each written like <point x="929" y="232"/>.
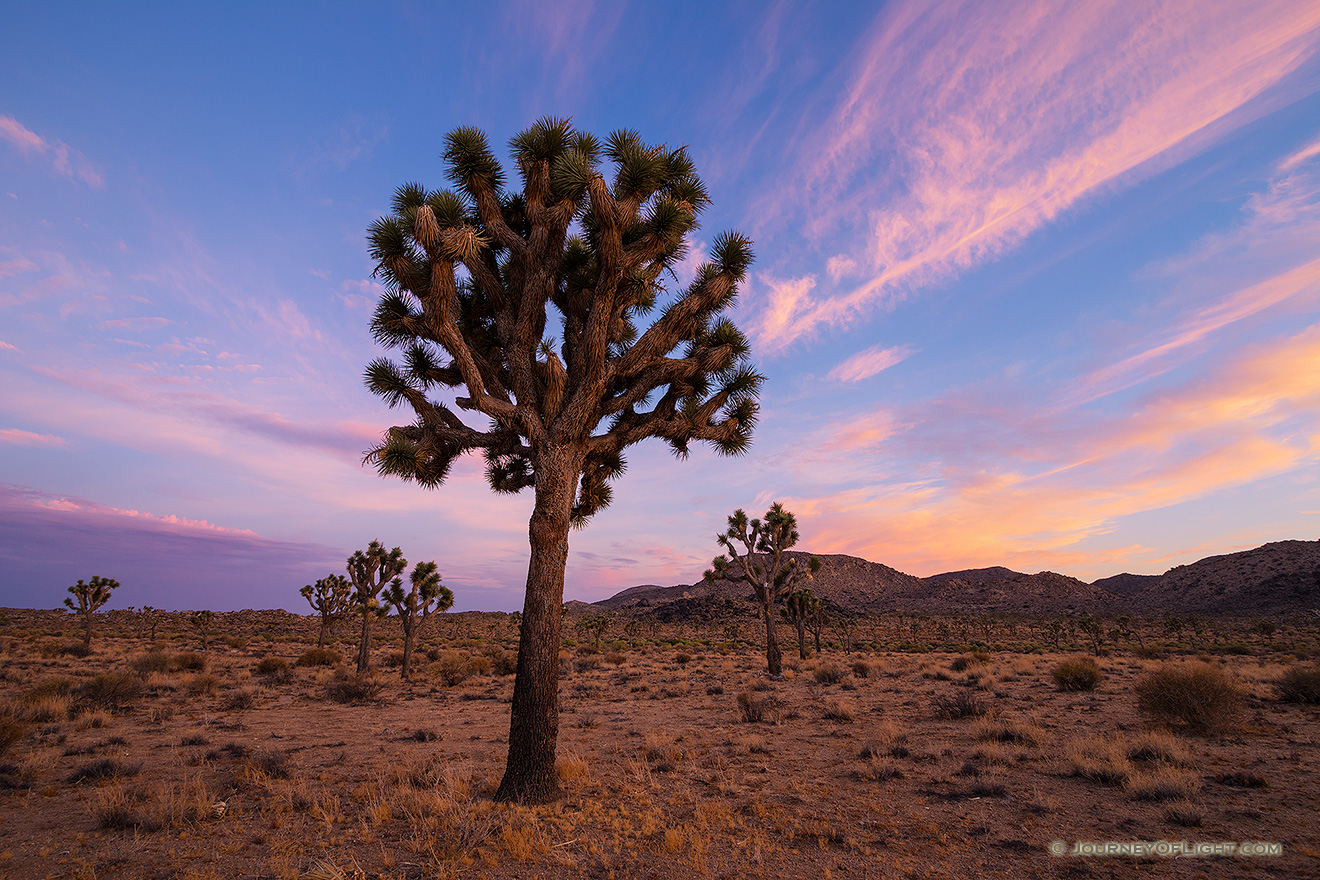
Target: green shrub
<point x="1077" y="674"/>
<point x="1196" y="697"/>
<point x="1300" y="684"/>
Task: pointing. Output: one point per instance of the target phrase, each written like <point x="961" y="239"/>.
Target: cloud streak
<point x="924" y="154"/>
<point x="64" y="160"/>
<point x="868" y="363"/>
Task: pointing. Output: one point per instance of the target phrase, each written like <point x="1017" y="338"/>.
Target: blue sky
<point x="1037" y="284"/>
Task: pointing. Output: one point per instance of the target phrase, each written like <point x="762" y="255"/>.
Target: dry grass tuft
<point x="756" y="709"/>
<point x="1163" y="783"/>
<point x="319" y="657"/>
<point x="959" y="704"/>
<point x="1077" y="674"/>
<point x="1000" y="730"/>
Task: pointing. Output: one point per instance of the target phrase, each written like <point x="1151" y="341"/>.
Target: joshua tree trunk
<point x="774" y="658"/>
<point x="320" y="636"/>
<point x="802" y="639"/>
<point x="87" y="629"/>
<point x="408" y="628"/>
<point x="364" y="649"/>
<point x="529" y="775"/>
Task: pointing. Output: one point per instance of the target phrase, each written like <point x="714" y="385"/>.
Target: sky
<point x="1037" y="284"/>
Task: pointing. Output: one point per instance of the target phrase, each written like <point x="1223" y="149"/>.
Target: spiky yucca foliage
<point x="595" y="230"/>
<point x="91" y="596"/>
<point x="202" y="621"/>
<point x="762" y="564"/>
<point x="332" y="598"/>
<point x="426" y="596"/>
<point x="369" y="571"/>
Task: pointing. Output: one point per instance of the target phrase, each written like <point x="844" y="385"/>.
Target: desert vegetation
<point x="268" y="756"/>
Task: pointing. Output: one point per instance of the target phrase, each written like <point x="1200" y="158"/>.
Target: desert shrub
<point x="1077" y="674"/>
<point x="152" y="662"/>
<point x="682" y="658"/>
<point x="319" y="657"/>
<point x="1102" y="759"/>
<point x="755" y="709"/>
<point x="202" y="684"/>
<point x="591" y="661"/>
<point x="237" y="642"/>
<point x="614" y="658"/>
<point x="243" y="698"/>
<point x="959" y="704"/>
<point x="425" y="735"/>
<point x="480" y="665"/>
<point x="839" y="710"/>
<point x="353" y="689"/>
<point x="503" y="662"/>
<point x="1157" y="746"/>
<point x="112" y="691"/>
<point x="828" y="673"/>
<point x="1242" y="779"/>
<point x="12" y="729"/>
<point x="392" y="660"/>
<point x="1163" y="784"/>
<point x="714" y="690"/>
<point x="1021" y="733"/>
<point x="73" y="649"/>
<point x="861" y="669"/>
<point x="1300" y="684"/>
<point x="1148" y="652"/>
<point x="271" y="763"/>
<point x="190" y="661"/>
<point x="274" y="667"/>
<point x="105" y="768"/>
<point x="1196" y="697"/>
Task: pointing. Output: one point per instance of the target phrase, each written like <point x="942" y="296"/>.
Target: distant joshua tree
<point x="801" y="607"/>
<point x="598" y="625"/>
<point x="202" y="621"/>
<point x="91" y="596"/>
<point x="762" y="565"/>
<point x="331" y="597"/>
<point x="370" y="571"/>
<point x="151" y="618"/>
<point x="413" y="607"/>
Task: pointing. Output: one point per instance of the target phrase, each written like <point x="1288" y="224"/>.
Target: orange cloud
<point x="967" y="127"/>
<point x="1255" y="417"/>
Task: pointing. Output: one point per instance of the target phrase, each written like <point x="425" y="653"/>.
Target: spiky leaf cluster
<point x="369" y="571"/>
<point x="330" y="596"/>
<point x="425" y="596"/>
<point x="90" y="595"/>
<point x="595" y="231"/>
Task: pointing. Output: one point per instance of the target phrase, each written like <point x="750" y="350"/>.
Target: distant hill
<point x="1278" y="578"/>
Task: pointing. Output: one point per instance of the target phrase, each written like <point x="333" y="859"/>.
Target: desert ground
<point x="262" y="758"/>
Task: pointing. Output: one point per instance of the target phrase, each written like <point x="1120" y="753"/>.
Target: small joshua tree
<point x="800" y="607"/>
<point x="413" y="607"/>
<point x="597" y="625"/>
<point x="90" y="596"/>
<point x="202" y="621"/>
<point x="331" y="598"/>
<point x="370" y="571"/>
<point x="150" y="618"/>
<point x="763" y="565"/>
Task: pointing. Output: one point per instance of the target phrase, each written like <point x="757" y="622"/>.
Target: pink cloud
<point x="135" y="323"/>
<point x="966" y="127"/>
<point x="14" y="267"/>
<point x="65" y="160"/>
<point x="16" y="437"/>
<point x="868" y="363"/>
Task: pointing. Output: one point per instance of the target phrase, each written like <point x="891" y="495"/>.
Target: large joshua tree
<point x="763" y="565"/>
<point x="475" y="274"/>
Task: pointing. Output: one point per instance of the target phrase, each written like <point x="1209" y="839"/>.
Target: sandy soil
<point x="224" y="772"/>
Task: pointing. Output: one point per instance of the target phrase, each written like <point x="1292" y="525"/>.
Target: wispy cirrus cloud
<point x="63" y="159"/>
<point x="16" y="437"/>
<point x="966" y="127"/>
<point x="868" y="363"/>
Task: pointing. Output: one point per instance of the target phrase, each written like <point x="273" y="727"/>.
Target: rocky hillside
<point x="1278" y="578"/>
